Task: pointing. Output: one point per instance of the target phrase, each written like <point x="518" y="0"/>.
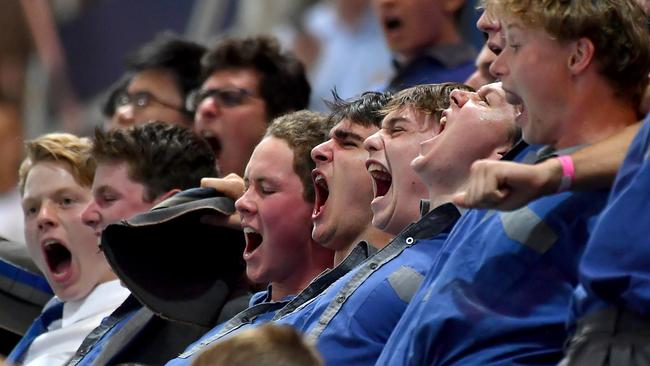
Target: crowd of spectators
<point x="353" y="199"/>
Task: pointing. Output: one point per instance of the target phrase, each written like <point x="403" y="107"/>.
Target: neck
<point x="594" y="120"/>
<point x="451" y="182"/>
<point x="316" y="261"/>
<point x="372" y="235"/>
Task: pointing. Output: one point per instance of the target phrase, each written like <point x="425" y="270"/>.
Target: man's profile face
<point x="397" y="188"/>
<point x="62" y="247"/>
<point x="115" y="196"/>
<point x="274" y="215"/>
<point x="541" y="92"/>
<point x="233" y="117"/>
<point x="477" y="125"/>
<point x="151" y="95"/>
<point x="489" y="24"/>
<point x="343" y="186"/>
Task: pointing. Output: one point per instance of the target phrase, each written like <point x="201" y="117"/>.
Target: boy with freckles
<point x="55" y="181"/>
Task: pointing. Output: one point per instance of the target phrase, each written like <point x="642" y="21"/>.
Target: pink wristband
<point x="568" y="173"/>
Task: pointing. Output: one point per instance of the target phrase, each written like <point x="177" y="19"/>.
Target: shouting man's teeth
<point x="381" y="178"/>
<point x="322" y="193"/>
<point x="253" y="241"/>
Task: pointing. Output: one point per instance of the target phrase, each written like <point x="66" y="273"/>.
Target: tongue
<point x="62" y="267"/>
<point x="383" y="182"/>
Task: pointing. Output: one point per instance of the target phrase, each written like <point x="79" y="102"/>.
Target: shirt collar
<point x="106" y="296"/>
<point x="548" y="151"/>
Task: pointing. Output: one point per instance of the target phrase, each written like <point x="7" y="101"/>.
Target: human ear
<point x="581" y="55"/>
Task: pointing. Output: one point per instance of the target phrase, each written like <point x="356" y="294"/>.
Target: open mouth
<point x="512" y="98"/>
<point x="381" y="179"/>
<point x="57" y="256"/>
<point x="214" y="142"/>
<point x="322" y="192"/>
<point x="253" y="241"/>
<point x="392" y="23"/>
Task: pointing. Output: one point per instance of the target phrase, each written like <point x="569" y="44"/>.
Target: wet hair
<point x="159" y="155"/>
<point x="302" y="130"/>
<point x="282" y="81"/>
<point x="65" y="148"/>
<point x="363" y="110"/>
<point x="171" y="53"/>
<point x="617" y="28"/>
<point x="430" y="99"/>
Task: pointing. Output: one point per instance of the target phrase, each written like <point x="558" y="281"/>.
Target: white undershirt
<point x="64" y="336"/>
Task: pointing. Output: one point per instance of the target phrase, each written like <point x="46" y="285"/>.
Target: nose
<point x="458" y="98"/>
<point x="245" y="205"/>
<point x="205" y="114"/>
<point x="47" y="217"/>
<point x="322" y="153"/>
<point x="90" y="216"/>
<point x="373" y="142"/>
<point x="487" y="23"/>
<point x="499" y="68"/>
<point x="126" y="115"/>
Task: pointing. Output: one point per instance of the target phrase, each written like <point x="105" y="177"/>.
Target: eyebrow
<point x="259" y="180"/>
<point x="58" y="192"/>
<point x="346" y="135"/>
<point x="103" y="189"/>
<point x="392" y="121"/>
<point x="484" y="91"/>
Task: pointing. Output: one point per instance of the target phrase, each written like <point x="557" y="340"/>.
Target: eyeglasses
<point x="141" y="100"/>
<point x="226" y="97"/>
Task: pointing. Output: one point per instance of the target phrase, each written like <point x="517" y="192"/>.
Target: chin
<point x="378" y="223"/>
<point x="70" y="295"/>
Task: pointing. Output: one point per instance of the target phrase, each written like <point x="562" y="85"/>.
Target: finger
<point x="459" y="199"/>
<point x="232" y="187"/>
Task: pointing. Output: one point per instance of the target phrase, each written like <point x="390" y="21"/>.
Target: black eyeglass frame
<point x="226" y="97"/>
<point x="142" y="99"/>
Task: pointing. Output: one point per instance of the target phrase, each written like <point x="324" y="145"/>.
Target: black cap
<point x="176" y="265"/>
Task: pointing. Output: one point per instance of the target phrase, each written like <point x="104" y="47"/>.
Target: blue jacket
<point x="499" y="293"/>
<point x="615" y="269"/>
<point x="351" y="321"/>
<point x="262" y="310"/>
<point x="92" y="346"/>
